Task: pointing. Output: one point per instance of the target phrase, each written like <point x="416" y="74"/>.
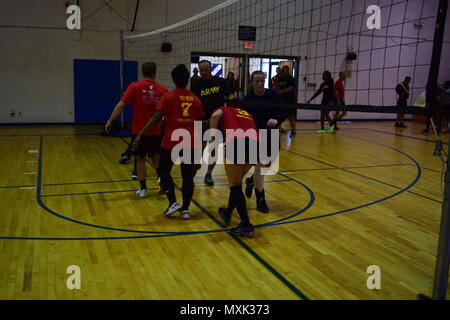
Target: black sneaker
<point x="249" y="187"/>
<point x="402" y="125"/>
<point x="124" y="158"/>
<point x="243" y="231"/>
<point x="208" y="180"/>
<point x="261" y="205"/>
<point x="225" y="215"/>
<point x="134" y="175"/>
<point x="397" y="124"/>
<point x="336" y="127"/>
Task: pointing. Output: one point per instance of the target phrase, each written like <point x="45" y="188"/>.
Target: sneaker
<point x="336" y="128"/>
<point x="243" y="231"/>
<point x="124" y="158"/>
<point x="402" y="125"/>
<point x="208" y="180"/>
<point x="174" y="207"/>
<point x="142" y="193"/>
<point x="261" y="205"/>
<point x="321" y="131"/>
<point x="293" y="133"/>
<point x="161" y="189"/>
<point x="185" y="214"/>
<point x="225" y="215"/>
<point x="331" y="129"/>
<point x="134" y="175"/>
<point x="426" y="131"/>
<point x="397" y="125"/>
<point x="249" y="187"/>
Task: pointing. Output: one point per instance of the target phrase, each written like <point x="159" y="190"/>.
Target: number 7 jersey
<point x="181" y="109"/>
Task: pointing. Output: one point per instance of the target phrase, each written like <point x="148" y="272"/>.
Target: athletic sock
<point x="241" y="205"/>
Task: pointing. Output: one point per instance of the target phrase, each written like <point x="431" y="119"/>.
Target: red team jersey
<point x="144" y="97"/>
<point x="234" y="119"/>
<point x="181" y="108"/>
<point x="339" y="86"/>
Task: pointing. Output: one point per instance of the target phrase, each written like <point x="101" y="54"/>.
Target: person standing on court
<point x="275" y="81"/>
<point x="286" y="87"/>
<point x="264" y="105"/>
<point x="180" y="109"/>
<point x="194" y="78"/>
<point x="340" y="88"/>
<point x="329" y="97"/>
<point x="240" y="153"/>
<point x="143" y="96"/>
<point x="213" y="92"/>
<point x="402" y="90"/>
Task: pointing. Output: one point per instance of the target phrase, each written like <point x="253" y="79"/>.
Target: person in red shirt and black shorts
<point x="143" y="96"/>
<point x="241" y="153"/>
<point x="339" y="87"/>
<point x="180" y="109"/>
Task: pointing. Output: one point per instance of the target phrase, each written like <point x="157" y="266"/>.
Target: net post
<point x="122" y="54"/>
<point x="443" y="254"/>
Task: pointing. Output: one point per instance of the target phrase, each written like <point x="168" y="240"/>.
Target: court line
<point x="405" y="136"/>
<point x="219" y="175"/>
<point x="16" y="187"/>
<point x="134" y="190"/>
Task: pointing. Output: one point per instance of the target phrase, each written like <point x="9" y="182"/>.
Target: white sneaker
<point x="142" y="193"/>
<point x="134" y="175"/>
<point x="174" y="207"/>
<point x="185" y="214"/>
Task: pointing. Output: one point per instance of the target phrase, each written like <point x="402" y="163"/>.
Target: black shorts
<point x="166" y="162"/>
<point x="293" y="112"/>
<point x="402" y="106"/>
<point x="241" y="151"/>
<point x="149" y="146"/>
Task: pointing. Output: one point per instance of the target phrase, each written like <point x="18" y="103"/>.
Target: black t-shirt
<point x="212" y="94"/>
<point x="329" y="95"/>
<point x="287" y="82"/>
<point x="402" y="90"/>
<point x="265" y="107"/>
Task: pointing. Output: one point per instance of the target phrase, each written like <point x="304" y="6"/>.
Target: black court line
<point x="134" y="190"/>
<point x="154" y="179"/>
<point x="404" y="136"/>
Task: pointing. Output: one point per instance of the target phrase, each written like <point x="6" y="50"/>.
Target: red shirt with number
<point x="144" y="97"/>
<point x="238" y="121"/>
<point x="181" y="109"/>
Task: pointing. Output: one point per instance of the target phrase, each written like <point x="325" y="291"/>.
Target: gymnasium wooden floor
<point x="368" y="195"/>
